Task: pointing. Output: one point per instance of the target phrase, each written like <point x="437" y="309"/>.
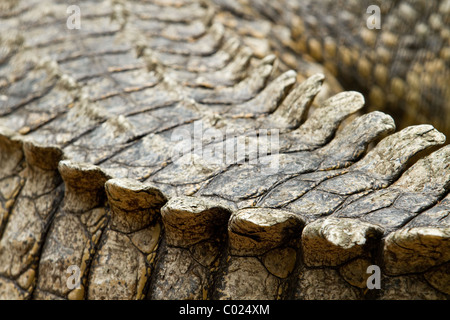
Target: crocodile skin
<point x="403" y="68"/>
<point x="94" y="174"/>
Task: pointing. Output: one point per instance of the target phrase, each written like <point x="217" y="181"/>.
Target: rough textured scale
<point x="166" y="152"/>
<point x="401" y="63"/>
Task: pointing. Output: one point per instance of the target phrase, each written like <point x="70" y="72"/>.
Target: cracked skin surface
<point x="90" y="175"/>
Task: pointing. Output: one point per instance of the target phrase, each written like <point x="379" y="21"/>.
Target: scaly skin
<point x="403" y="68"/>
<point x="92" y="177"/>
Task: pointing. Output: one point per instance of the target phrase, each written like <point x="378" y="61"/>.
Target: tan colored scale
<point x="315" y="49"/>
<point x="364" y="68"/>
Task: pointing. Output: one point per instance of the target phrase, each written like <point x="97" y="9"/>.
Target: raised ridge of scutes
<point x="29" y="216"/>
<point x="76" y="230"/>
<point x="114" y="166"/>
<point x="129" y="243"/>
<point x="190" y="256"/>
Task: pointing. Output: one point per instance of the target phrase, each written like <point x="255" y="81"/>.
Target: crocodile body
<point x="96" y="174"/>
<point x="400" y="60"/>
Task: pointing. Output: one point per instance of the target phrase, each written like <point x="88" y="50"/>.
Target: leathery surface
<point x="93" y="173"/>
